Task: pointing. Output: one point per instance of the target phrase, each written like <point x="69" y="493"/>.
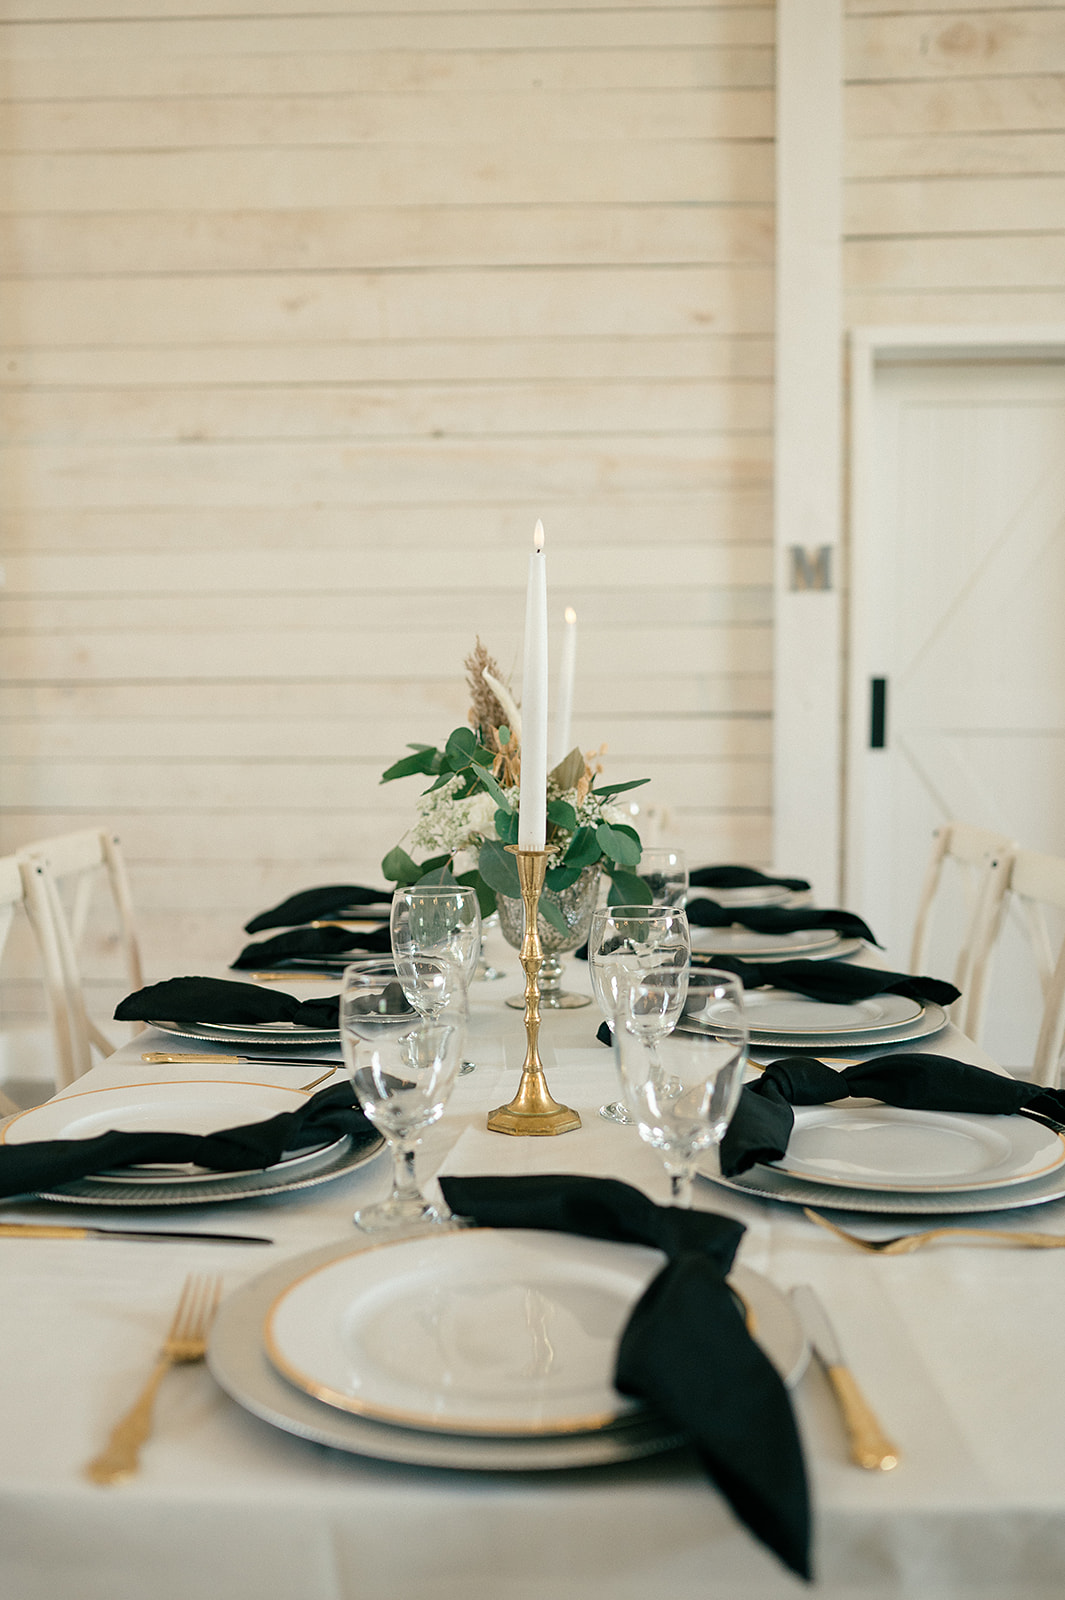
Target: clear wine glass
<point x="683" y="1086"/>
<point x="665" y="873"/>
<point x="402" y="1064"/>
<point x="441" y="921"/>
<point x="627" y="942"/>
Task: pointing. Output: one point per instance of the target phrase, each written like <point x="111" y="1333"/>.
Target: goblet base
<point x="406" y="1213"/>
<point x="614" y="1111"/>
<point x="552" y="1000"/>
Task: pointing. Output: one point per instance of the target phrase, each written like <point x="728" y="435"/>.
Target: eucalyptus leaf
<point x="506" y="826"/>
<point x="425" y="759"/>
<point x="499" y="869"/>
<point x="626" y="889"/>
<point x="445" y="777"/>
<point x="482" y="756"/>
<point x="620" y="788"/>
<point x="462" y="741"/>
<point x="618" y="845"/>
<point x="562" y="814"/>
<point x="503" y="734"/>
<point x="499" y="794"/>
<point x="550" y="913"/>
<point x="557" y="878"/>
<point x="398" y="867"/>
<point x="486" y="897"/>
<point x="439" y="877"/>
<point x="583" y="850"/>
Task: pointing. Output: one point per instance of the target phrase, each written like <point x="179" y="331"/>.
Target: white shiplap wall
<point x="955" y="193"/>
<point x="306" y="316"/>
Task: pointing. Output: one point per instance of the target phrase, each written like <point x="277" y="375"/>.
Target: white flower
<point x="445" y="823"/>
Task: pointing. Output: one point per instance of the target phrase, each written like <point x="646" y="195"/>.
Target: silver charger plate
<point x="238" y="1362"/>
<point x="274" y="1035"/>
<point x="932" y="1020"/>
<point x="767" y="1183"/>
<point x="327" y="1164"/>
<point x="747" y="943"/>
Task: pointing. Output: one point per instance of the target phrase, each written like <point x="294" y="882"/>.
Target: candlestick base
<point x="533" y="1110"/>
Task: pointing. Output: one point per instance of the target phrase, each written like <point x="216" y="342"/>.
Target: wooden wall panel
<point x="306" y="317"/>
<point x="955" y="205"/>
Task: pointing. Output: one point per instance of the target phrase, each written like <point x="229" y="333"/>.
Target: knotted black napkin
<point x="776" y="919"/>
<point x="221" y="1001"/>
<point x="302" y="945"/>
<point x="729" y="877"/>
<point x="350" y="900"/>
<point x="838" y="982"/>
<point x="29" y="1168"/>
<point x="686" y="1349"/>
<point x="762" y="1124"/>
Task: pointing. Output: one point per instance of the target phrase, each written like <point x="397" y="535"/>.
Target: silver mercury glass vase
<point x="576" y="904"/>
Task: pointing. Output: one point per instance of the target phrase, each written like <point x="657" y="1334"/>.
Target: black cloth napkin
<point x="221" y="1001"/>
<point x="838" y="982"/>
<point x="331" y="900"/>
<point x="686" y="1349"/>
<point x="304" y="944"/>
<point x="762" y="1124"/>
<point x="730" y="877"/>
<point x="29" y="1168"/>
<point x="776" y="919"/>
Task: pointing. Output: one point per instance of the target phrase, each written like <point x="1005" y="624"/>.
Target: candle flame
<point x="538" y="536"/>
<point x="569" y="614"/>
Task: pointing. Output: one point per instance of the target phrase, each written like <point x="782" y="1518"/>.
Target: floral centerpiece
<point x="469" y="812"/>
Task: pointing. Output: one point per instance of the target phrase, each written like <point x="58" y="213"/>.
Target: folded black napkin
<point x="686" y="1349"/>
<point x="303" y="944"/>
<point x="332" y="900"/>
<point x="729" y="877"/>
<point x="221" y="1001"/>
<point x="760" y="1129"/>
<point x="839" y="982"/>
<point x="29" y="1168"/>
<point x="776" y="919"/>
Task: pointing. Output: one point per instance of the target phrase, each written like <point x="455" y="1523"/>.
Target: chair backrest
<point x="11" y="897"/>
<point x="980" y="861"/>
<point x="59" y="877"/>
<point x="1036" y="886"/>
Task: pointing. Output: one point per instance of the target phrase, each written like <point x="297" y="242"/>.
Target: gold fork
<point x="186" y="1340"/>
<point x="904" y="1243"/>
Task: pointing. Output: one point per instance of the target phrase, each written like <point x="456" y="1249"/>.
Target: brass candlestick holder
<point x="532" y="1110"/>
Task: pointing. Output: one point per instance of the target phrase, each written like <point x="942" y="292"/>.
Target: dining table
<point x="956" y="1347"/>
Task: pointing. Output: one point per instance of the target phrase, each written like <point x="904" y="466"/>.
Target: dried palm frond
<point x="486" y="712"/>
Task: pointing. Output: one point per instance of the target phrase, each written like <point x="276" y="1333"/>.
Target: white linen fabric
<point x="955" y="1347"/>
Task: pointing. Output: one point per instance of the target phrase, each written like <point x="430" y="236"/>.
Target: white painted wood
<point x="958" y="526"/>
<point x="808" y="442"/>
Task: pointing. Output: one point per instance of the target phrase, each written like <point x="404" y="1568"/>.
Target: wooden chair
<point x="1036" y="886"/>
<point x="979" y="861"/>
<point x="11" y="898"/>
<point x="60" y="876"/>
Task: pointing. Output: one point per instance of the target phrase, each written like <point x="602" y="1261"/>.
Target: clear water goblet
<point x="665" y="873"/>
<point x="442" y="921"/>
<point x="683" y="1086"/>
<point x="626" y="942"/>
<point x="402" y="1064"/>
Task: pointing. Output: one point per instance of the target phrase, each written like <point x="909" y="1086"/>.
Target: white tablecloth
<point x="958" y="1349"/>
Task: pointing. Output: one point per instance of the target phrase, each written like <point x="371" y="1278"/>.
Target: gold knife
<point x="869" y="1445"/>
<point x="53" y="1230"/>
<point x="185" y="1059"/>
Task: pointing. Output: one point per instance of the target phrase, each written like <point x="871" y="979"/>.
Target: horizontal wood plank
<point x="1020" y="154"/>
<point x="999" y="43"/>
<point x="993" y="262"/>
<point x="973" y="105"/>
<point x="963" y="205"/>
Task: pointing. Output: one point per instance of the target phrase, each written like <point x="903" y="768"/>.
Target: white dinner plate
<point x="238" y="1361"/>
<point x="774" y="1012"/>
<point x="932" y="1020"/>
<point x="271" y="1034"/>
<point x="306" y="1159"/>
<point x="751" y="895"/>
<point x="185" y="1105"/>
<point x="917" y="1152"/>
<point x="484" y="1331"/>
<point x="746" y="942"/>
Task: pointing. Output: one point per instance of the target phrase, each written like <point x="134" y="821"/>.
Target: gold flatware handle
<point x="120" y="1457"/>
<point x="40" y="1230"/>
<point x="161" y="1055"/>
<point x="869" y="1445"/>
<point x="292" y="977"/>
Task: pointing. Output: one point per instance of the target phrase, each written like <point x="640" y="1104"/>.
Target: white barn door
<point x="957" y="636"/>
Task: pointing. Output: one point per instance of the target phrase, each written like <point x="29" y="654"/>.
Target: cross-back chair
<point x="60" y="877"/>
<point x="1037" y="886"/>
<point x="977" y="860"/>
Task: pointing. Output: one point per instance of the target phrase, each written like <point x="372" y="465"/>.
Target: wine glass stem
<point x="680" y="1189"/>
<point x="404" y="1183"/>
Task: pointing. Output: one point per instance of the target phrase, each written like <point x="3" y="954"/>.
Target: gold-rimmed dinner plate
<point x="483" y="1332"/>
<point x="907" y="1151"/>
<point x="271" y="1034"/>
<point x="773" y="1012"/>
<point x="749" y="895"/>
<point x="748" y="943"/>
<point x="181" y="1105"/>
